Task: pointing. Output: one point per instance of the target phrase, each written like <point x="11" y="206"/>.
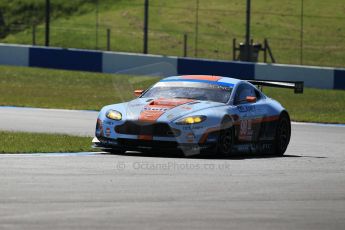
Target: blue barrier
<point x="65" y="59"/>
<point x="339" y="79"/>
<point x="212" y="67"/>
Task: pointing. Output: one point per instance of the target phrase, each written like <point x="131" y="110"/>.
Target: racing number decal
<point x="246" y="131"/>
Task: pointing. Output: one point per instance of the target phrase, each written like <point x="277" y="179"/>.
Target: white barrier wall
<point x="315" y="77"/>
<point x="139" y="64"/>
<point x="14" y="55"/>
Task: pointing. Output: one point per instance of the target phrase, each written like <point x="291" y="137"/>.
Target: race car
<point x="194" y="114"/>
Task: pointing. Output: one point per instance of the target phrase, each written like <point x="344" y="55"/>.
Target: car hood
<point x="161" y="109"/>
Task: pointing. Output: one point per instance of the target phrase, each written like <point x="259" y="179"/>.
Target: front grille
<point x="144" y="143"/>
<point x="154" y="129"/>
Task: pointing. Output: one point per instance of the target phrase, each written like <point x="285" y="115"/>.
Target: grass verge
<point x="20" y="142"/>
<point x="314" y="105"/>
<point x="45" y="88"/>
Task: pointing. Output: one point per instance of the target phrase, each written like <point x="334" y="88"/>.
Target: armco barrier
<point x="212" y="67"/>
<point x="14" y="55"/>
<point x="315" y="77"/>
<point x="126" y="63"/>
<point x="339" y="79"/>
<point x="68" y="59"/>
<point x="129" y="63"/>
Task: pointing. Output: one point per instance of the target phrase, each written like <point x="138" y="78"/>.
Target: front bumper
<point x="124" y="144"/>
<point x="129" y="135"/>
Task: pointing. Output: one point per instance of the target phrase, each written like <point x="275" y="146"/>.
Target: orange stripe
<point x="265" y="119"/>
<point x="150" y="116"/>
<point x="260" y="120"/>
<point x="157" y="108"/>
<point x="214" y="129"/>
<point x="169" y="103"/>
<point x="201" y="77"/>
<point x="145" y="137"/>
<point x="207" y="132"/>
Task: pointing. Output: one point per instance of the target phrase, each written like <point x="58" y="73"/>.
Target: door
<point x="251" y="111"/>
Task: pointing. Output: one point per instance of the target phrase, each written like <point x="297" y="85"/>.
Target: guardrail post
<point x="196" y="29"/>
<point x="234" y="49"/>
<point x="146" y="26"/>
<point x="108" y="39"/>
<point x="265" y="50"/>
<point x="47" y="17"/>
<point x="34" y="34"/>
<point x="185" y="39"/>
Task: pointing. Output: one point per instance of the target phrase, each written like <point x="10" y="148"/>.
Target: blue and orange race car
<point x="198" y="113"/>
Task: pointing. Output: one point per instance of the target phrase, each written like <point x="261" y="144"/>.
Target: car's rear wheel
<point x="283" y="134"/>
<point x="225" y="140"/>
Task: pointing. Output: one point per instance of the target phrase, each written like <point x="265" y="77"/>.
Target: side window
<point x="243" y="91"/>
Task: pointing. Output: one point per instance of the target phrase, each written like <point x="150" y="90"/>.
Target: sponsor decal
<point x="197" y="127"/>
<point x="248" y="126"/>
<point x="246" y="131"/>
<point x="243" y="109"/>
<point x="186" y="107"/>
<point x="108" y="141"/>
<point x="157" y="107"/>
<point x="193" y="127"/>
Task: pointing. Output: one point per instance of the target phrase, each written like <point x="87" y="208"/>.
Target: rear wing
<point x="296" y="85"/>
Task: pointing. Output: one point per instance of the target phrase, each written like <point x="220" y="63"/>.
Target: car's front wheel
<point x="225" y="140"/>
<point x="283" y="134"/>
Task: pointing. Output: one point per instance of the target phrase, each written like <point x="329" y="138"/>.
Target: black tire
<point x="283" y="134"/>
<point x="226" y="138"/>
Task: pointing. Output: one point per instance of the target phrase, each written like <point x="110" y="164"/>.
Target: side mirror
<point x="251" y="99"/>
<point x="138" y="92"/>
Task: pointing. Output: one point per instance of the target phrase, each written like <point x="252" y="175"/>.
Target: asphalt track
<point x="303" y="190"/>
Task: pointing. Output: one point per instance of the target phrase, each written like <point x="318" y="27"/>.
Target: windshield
<point x="190" y="90"/>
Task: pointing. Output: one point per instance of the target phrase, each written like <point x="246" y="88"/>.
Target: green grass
<point x="46" y="88"/>
<point x="74" y="25"/>
<point x="19" y="142"/>
<point x="314" y="105"/>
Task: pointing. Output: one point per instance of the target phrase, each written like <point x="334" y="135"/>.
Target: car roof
<point x="205" y="78"/>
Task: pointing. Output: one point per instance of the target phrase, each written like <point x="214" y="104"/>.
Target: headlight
<point x="191" y="120"/>
<point x="114" y="115"/>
